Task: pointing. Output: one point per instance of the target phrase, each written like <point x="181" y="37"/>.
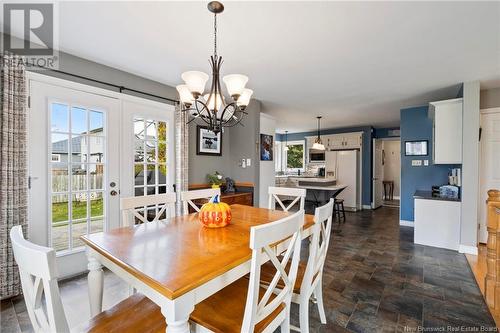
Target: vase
<point x="215" y="186"/>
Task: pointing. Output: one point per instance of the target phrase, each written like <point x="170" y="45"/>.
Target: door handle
<point x="113" y="193"/>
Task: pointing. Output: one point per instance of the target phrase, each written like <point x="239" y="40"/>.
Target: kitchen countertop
<point x="420" y="194"/>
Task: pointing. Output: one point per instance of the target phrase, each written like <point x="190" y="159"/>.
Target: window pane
<point x="162" y="131"/>
<point x="59" y="177"/>
<point x="139" y="128"/>
<point x="162" y="189"/>
<point x="96" y="123"/>
<point x="79" y="177"/>
<point x="96" y="176"/>
<point x="79" y="148"/>
<point x="162" y="173"/>
<point x="295" y="156"/>
<point x="96" y="204"/>
<point x="96" y="225"/>
<point x="60" y="236"/>
<point x="151" y="174"/>
<point x="150" y="130"/>
<point x="59" y="118"/>
<point x="79" y="206"/>
<point x="59" y="208"/>
<point x="78" y="120"/>
<point x="139" y="174"/>
<point x="79" y="229"/>
<point x="96" y="149"/>
<point x="151" y="190"/>
<point x="60" y="146"/>
<point x="139" y="191"/>
<point x="150" y="151"/>
<point x="162" y="152"/>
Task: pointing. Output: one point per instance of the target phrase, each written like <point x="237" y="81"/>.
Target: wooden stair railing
<point x="492" y="280"/>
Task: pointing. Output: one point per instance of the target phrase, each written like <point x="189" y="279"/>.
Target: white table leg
<point x="96" y="282"/>
<point x="177" y="314"/>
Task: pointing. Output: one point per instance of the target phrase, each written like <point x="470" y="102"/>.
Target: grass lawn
<point x="60" y="210"/>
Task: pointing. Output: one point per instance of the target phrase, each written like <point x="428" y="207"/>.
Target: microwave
<point x="316" y="155"/>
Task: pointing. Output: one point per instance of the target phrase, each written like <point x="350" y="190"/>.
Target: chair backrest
<point x="318" y="246"/>
<point x="261" y="239"/>
<point x="298" y="195"/>
<point x="187" y="198"/>
<point x="37" y="269"/>
<point x="160" y="206"/>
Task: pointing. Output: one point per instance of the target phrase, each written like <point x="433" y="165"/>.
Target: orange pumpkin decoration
<point x="215" y="214"/>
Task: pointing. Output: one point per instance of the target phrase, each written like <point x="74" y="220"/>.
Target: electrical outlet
<point x="426" y="162"/>
<point x="416" y="163"/>
<point x="249" y="162"/>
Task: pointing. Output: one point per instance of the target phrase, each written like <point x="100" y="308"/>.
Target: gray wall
<point x="470" y="164"/>
<point x="490" y="98"/>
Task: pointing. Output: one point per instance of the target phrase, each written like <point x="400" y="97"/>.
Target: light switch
<point x="426" y="162"/>
<point x="249" y="162"/>
<point x="416" y="163"/>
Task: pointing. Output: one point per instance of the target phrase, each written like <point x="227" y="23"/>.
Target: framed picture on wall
<point x="266" y="147"/>
<point x="416" y="148"/>
<point x="207" y="142"/>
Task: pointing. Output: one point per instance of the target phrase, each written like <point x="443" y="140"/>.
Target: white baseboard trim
<point x="467" y="249"/>
<point x="367" y="207"/>
<point x="406" y="223"/>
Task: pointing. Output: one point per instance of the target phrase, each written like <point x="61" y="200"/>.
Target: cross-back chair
<point x="276" y="195"/>
<point x="162" y="205"/>
<point x="245" y="306"/>
<point x="38" y="272"/>
<point x="187" y="198"/>
<point x="309" y="277"/>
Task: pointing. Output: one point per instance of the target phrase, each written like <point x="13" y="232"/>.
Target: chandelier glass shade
<point x="213" y="110"/>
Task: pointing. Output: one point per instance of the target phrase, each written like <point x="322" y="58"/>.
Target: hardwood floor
<point x="479" y="269"/>
<point x="375" y="280"/>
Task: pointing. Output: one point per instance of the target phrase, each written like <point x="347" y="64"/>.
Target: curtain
<point x="181" y="155"/>
<point x="13" y="167"/>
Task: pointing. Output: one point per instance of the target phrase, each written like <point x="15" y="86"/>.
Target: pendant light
<point x="286" y="141"/>
<point x="318" y="145"/>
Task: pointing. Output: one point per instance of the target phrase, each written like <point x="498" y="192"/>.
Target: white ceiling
<point x="355" y="63"/>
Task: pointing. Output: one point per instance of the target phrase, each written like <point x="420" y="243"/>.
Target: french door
<point x="87" y="148"/>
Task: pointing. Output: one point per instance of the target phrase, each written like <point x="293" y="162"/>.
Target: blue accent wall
<point x="366" y="168"/>
<point x="416" y="125"/>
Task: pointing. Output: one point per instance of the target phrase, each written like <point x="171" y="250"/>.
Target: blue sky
<point x="60" y="119"/>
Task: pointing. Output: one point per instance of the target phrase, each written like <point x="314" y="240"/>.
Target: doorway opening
<point x="386" y="172"/>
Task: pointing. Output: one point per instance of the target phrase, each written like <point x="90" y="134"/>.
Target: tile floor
<point x="375" y="280"/>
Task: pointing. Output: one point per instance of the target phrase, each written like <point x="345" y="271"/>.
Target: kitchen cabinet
<point x="339" y="141"/>
<point x="447" y="131"/>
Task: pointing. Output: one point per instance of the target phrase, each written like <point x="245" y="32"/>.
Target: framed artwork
<point x="416" y="148"/>
<point x="207" y="142"/>
<point x="266" y="147"/>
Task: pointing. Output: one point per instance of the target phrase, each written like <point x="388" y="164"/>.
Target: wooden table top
<point x="177" y="255"/>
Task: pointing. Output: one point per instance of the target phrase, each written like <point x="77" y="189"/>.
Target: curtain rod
<point x="120" y="88"/>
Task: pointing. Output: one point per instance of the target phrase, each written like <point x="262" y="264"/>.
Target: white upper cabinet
<point x="447" y="131"/>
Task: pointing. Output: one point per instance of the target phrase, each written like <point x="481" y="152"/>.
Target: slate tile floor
<point x="375" y="280"/>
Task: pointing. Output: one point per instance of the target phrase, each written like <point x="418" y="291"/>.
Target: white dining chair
<point x="276" y="194"/>
<point x="163" y="205"/>
<point x="244" y="306"/>
<point x="38" y="272"/>
<point x="187" y="198"/>
<point x="310" y="275"/>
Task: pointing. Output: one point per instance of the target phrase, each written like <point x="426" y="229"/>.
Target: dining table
<point x="176" y="262"/>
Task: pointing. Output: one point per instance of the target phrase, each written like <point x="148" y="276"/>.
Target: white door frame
<point x="482" y="234"/>
<point x="42" y="238"/>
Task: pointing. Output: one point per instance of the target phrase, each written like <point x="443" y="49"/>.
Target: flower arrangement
<point x="215" y="179"/>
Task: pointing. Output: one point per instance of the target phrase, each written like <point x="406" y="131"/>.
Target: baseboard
<point x="467" y="249"/>
<point x="367" y="207"/>
<point x="406" y="223"/>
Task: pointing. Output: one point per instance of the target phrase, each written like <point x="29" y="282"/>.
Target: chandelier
<point x="318" y="144"/>
<point x="212" y="109"/>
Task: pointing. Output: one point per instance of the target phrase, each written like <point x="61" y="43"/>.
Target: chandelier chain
<point x="215" y="35"/>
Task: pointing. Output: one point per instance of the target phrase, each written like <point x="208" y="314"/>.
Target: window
<point x="76" y="174"/>
<point x="294" y="157"/>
